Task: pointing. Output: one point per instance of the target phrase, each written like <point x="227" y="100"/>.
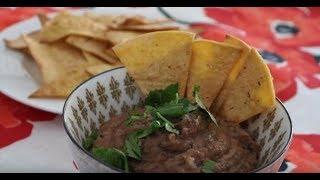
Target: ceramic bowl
<point x="112" y="92"/>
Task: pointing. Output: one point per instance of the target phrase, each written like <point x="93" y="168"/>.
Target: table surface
<point x="32" y="140"/>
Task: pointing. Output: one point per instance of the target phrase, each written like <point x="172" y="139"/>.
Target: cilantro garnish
<point x="112" y="156"/>
<point x="161" y="106"/>
<point x="197" y="97"/>
<point x="208" y="166"/>
<point x="159" y="97"/>
<point x="134" y="116"/>
<point x="132" y="146"/>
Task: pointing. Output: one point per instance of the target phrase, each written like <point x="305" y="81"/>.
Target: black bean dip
<point x="229" y="146"/>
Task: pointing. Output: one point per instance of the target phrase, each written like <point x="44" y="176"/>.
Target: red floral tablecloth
<point x="282" y="35"/>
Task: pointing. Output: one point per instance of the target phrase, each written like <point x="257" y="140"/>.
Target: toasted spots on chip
<point x="61" y="87"/>
<point x="237" y="67"/>
<point x="210" y="66"/>
<point x="117" y="37"/>
<point x="65" y="24"/>
<point x="150" y="27"/>
<point x="93" y="46"/>
<point x="19" y="43"/>
<point x="251" y="93"/>
<point x="158" y="59"/>
<point x="97" y="69"/>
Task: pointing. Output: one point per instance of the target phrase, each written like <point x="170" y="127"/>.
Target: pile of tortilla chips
<point x="69" y="49"/>
<point x="234" y="81"/>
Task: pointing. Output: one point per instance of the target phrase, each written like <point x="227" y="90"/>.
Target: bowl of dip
<point x="101" y="104"/>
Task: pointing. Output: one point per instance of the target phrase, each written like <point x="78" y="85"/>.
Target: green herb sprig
<point x="161" y="106"/>
<point x="112" y="156"/>
<point x="208" y="166"/>
<point x="197" y="97"/>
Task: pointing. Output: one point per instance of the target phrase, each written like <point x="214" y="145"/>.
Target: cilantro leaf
<point x="133" y="117"/>
<point x="197" y="97"/>
<point x="167" y="124"/>
<point x="159" y="97"/>
<point x="132" y="144"/>
<point x="132" y="147"/>
<point x="176" y="109"/>
<point x="208" y="166"/>
<point x="112" y="156"/>
<point x="88" y="142"/>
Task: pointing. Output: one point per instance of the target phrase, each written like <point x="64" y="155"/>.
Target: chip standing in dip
<point x="197" y="96"/>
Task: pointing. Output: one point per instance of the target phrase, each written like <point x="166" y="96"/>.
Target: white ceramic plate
<point x="17" y="83"/>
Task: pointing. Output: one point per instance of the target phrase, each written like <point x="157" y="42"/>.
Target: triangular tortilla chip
<point x="65" y="24"/>
<point x="116" y="37"/>
<point x="54" y="59"/>
<point x="234" y="72"/>
<point x="19" y="42"/>
<point x="158" y="59"/>
<point x="93" y="46"/>
<point x="251" y="93"/>
<point x="150" y="27"/>
<point x="63" y="86"/>
<point x="210" y="65"/>
<point x="97" y="69"/>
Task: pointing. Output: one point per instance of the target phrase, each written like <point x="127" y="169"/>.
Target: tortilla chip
<point x="19" y="42"/>
<point x="65" y="24"/>
<point x="251" y="93"/>
<point x="116" y="37"/>
<point x="63" y="86"/>
<point x="92" y="58"/>
<point x="150" y="27"/>
<point x="158" y="59"/>
<point x="234" y="72"/>
<point x="132" y="20"/>
<point x="43" y="18"/>
<point x="112" y="54"/>
<point x="105" y="19"/>
<point x="26" y="51"/>
<point x="93" y="46"/>
<point x="97" y="69"/>
<point x="135" y="20"/>
<point x="210" y="65"/>
<point x="54" y="59"/>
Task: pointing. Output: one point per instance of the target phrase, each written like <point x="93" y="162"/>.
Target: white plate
<point x="15" y="80"/>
